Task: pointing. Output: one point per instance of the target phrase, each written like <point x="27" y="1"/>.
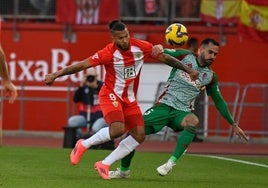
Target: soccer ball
<point x="176" y="34"/>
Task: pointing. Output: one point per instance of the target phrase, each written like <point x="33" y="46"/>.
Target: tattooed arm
<point x="173" y="62"/>
<point x="157" y="53"/>
<point x="71" y="69"/>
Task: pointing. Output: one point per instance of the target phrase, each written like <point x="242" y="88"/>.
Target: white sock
<point x="123" y="149"/>
<point x="99" y="137"/>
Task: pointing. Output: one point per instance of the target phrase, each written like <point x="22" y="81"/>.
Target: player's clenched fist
<point x="49" y="79"/>
<point x="194" y="74"/>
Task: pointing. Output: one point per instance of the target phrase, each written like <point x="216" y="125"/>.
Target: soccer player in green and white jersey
<point x="175" y="105"/>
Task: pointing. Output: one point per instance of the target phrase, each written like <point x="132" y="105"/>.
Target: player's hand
<point x="194" y="74"/>
<point x="157" y="49"/>
<point x="239" y="132"/>
<point x="10" y="91"/>
<point x="49" y="79"/>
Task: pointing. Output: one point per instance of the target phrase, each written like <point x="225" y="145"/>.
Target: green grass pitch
<point x="50" y="168"/>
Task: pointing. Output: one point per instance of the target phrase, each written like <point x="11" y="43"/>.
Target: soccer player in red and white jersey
<point x="9" y="88"/>
<point x="123" y="59"/>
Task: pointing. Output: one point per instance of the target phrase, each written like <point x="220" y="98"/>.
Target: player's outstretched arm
<point x="71" y="69"/>
<point x="214" y="91"/>
<point x="9" y="88"/>
<point x="10" y="91"/>
<point x="173" y="62"/>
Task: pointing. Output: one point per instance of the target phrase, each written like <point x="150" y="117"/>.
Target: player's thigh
<point x="180" y="120"/>
<point x="190" y="119"/>
<point x="111" y="106"/>
<point x="134" y="121"/>
<point x="133" y="116"/>
<point x="156" y="117"/>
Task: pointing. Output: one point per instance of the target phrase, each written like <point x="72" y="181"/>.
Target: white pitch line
<point x="230" y="159"/>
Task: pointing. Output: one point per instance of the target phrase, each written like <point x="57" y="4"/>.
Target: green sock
<point x="183" y="142"/>
<point x="125" y="162"/>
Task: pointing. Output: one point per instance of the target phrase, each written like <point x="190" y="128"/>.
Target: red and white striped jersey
<point x="123" y="67"/>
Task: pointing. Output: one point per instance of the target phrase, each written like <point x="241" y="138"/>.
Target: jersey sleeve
<point x="147" y="48"/>
<point x="178" y="53"/>
<point x="101" y="57"/>
<point x="213" y="90"/>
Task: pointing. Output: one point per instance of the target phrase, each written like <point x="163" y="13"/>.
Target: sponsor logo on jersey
<point x="137" y="54"/>
<point x="115" y="103"/>
<point x="129" y="72"/>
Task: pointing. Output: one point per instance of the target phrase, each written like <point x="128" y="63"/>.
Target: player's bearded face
<point x="208" y="54"/>
<point x="121" y="39"/>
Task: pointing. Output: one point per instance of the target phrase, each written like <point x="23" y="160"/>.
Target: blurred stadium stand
<point x="130" y="11"/>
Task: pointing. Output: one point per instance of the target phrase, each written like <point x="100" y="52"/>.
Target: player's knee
<point x="190" y="120"/>
<point x="138" y="134"/>
<point x="117" y="129"/>
<point x="140" y="137"/>
<point x="195" y="121"/>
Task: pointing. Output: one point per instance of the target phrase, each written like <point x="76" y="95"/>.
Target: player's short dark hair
<point x="209" y="40"/>
<point x="116" y="25"/>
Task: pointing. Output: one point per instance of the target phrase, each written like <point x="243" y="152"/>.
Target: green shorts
<point x="161" y="115"/>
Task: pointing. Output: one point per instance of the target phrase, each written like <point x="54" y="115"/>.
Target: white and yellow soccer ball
<point x="176" y="34"/>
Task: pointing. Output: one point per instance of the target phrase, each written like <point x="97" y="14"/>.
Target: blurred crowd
<point x="133" y="9"/>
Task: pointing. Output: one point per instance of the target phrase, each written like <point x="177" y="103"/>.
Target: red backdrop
<point x="41" y="46"/>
